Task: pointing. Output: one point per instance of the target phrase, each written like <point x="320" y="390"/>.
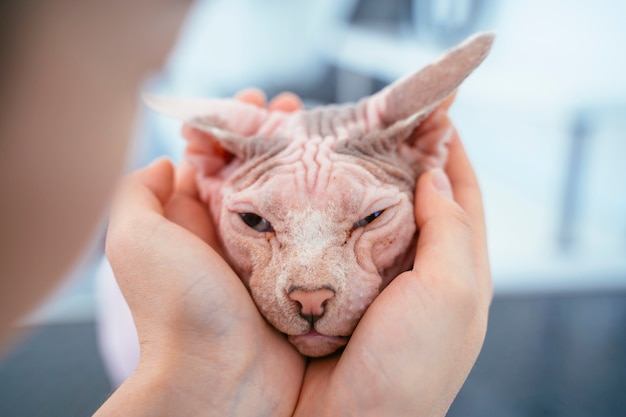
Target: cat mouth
<point x="316" y="344"/>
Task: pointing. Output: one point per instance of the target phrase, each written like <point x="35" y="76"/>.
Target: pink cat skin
<point x="315" y="210"/>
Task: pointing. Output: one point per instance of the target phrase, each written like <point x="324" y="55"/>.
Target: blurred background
<point x="544" y="122"/>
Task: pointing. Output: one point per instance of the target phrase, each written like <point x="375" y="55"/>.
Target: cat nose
<point x="311" y="302"/>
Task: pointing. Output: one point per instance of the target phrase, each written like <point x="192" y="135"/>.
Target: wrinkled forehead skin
<point x="311" y="143"/>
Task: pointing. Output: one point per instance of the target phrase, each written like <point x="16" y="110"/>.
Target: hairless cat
<point x="315" y="209"/>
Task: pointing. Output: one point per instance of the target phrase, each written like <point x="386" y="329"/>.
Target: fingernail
<point x="441" y="182"/>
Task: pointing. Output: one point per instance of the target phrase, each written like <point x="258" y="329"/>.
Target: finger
<point x="197" y="139"/>
<point x="463" y="179"/>
<point x="186" y="209"/>
<point x="286" y="102"/>
<point x="200" y="142"/>
<point x="467" y="193"/>
<point x="447" y="102"/>
<point x="438" y="118"/>
<point x="149" y="188"/>
<point x="204" y="151"/>
<point x="445" y="251"/>
<point x="435" y="127"/>
<point x="252" y="96"/>
<point x="464" y="182"/>
<point x="186" y="180"/>
<point x="138" y="197"/>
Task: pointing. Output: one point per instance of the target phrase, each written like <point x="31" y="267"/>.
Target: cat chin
<point x="315" y="344"/>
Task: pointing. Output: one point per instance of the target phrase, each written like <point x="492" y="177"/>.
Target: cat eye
<point x="256" y="222"/>
<point x="367" y="220"/>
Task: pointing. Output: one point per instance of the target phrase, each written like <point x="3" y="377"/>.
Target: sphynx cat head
<point x="315" y="211"/>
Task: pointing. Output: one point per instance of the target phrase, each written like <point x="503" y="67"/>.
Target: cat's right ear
<point x="205" y="153"/>
<point x="233" y="123"/>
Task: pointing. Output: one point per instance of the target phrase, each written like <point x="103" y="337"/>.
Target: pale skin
<point x="205" y="349"/>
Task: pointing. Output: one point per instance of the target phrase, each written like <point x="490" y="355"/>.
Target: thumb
<point x="435" y="181"/>
<point x="149" y="188"/>
<point x="138" y="196"/>
<point x="445" y="252"/>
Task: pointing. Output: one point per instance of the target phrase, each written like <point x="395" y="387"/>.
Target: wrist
<point x="178" y="384"/>
<point x="216" y="383"/>
<point x="217" y="379"/>
<point x="152" y="391"/>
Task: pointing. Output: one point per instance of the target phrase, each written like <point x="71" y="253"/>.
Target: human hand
<point x="204" y="346"/>
<point x="418" y="340"/>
